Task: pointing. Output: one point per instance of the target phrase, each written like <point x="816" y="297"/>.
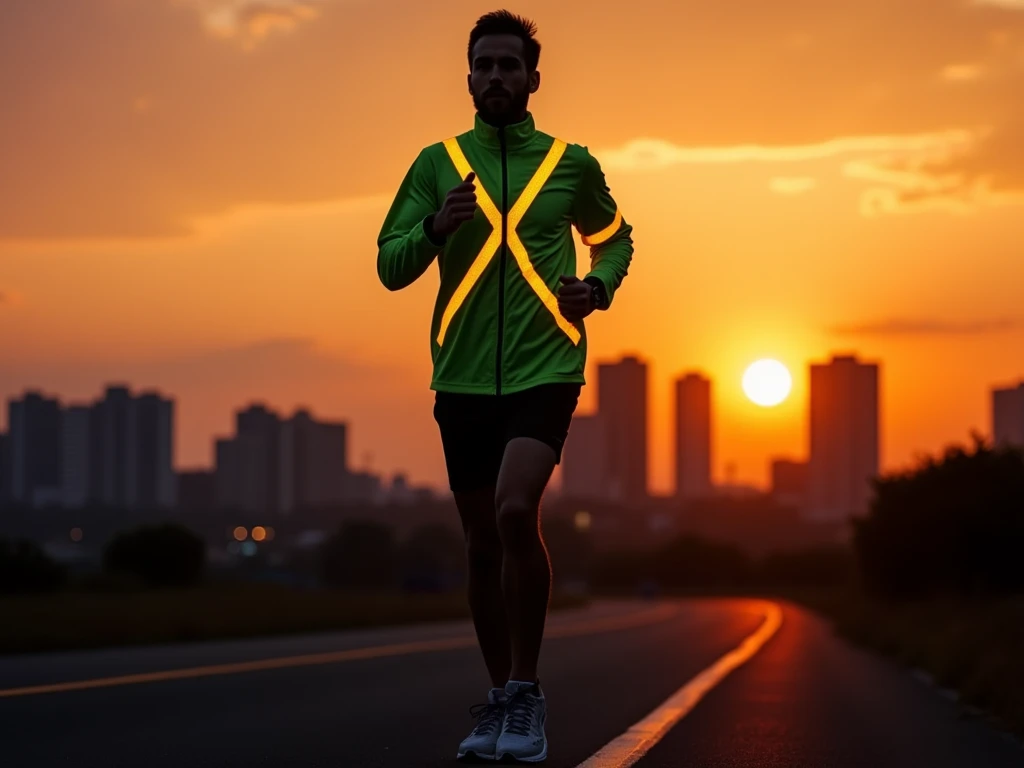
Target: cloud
<point x="1013" y="5"/>
<point x="792" y="185"/>
<point x="986" y="173"/>
<point x="927" y="327"/>
<point x="656" y="154"/>
<point x="251" y="21"/>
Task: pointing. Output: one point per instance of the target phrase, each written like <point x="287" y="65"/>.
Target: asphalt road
<point x="400" y="697"/>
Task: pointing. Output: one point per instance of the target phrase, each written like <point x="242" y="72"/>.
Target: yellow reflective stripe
<point x="490" y="246"/>
<point x="515" y="216"/>
<point x="604" y="234"/>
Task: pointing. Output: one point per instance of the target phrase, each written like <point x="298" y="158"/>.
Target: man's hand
<point x="459" y="206"/>
<point x="575" y="298"/>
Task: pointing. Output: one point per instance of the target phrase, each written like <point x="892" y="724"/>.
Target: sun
<point x="767" y="382"/>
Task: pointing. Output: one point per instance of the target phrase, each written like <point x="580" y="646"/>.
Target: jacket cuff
<point x="592" y="278"/>
<point x="427" y="228"/>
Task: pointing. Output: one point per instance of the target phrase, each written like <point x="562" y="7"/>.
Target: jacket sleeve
<point x="404" y="251"/>
<point x="600" y="223"/>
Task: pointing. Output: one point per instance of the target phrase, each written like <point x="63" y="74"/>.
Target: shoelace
<point x="488" y="717"/>
<point x="519" y="712"/>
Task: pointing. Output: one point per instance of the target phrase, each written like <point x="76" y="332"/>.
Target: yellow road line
<point x="608" y="624"/>
<point x="627" y="749"/>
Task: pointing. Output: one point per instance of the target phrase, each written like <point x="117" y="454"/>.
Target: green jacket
<point x="496" y="327"/>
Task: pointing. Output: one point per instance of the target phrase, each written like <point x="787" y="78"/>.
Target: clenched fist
<point x="459" y="206"/>
<point x="575" y="298"/>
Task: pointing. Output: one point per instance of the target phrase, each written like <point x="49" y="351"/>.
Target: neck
<point x="501" y="121"/>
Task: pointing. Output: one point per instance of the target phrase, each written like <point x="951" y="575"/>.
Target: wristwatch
<point x="597" y="291"/>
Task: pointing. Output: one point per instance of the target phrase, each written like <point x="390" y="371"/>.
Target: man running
<point x="496" y="206"/>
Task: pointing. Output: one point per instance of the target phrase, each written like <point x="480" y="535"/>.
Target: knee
<point x="517" y="523"/>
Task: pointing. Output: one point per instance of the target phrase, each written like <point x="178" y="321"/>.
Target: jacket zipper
<point x="502" y="260"/>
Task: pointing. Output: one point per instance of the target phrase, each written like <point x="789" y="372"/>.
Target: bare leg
<point x="526" y="569"/>
<point x="486" y="602"/>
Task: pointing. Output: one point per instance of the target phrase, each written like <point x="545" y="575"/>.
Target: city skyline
<point x="1004" y="405"/>
<point x="116" y="451"/>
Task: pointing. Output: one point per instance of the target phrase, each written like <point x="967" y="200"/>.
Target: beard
<point x="513" y="111"/>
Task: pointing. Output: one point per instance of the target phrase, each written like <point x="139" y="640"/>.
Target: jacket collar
<point x="516" y="135"/>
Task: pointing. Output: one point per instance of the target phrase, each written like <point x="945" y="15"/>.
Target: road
<point x="400" y="698"/>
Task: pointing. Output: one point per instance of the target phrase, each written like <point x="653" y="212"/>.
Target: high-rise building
<point x="789" y="482"/>
<point x="313" y="463"/>
<point x="622" y="404"/>
<point x="130" y="451"/>
<point x="81" y="466"/>
<point x="112" y="425"/>
<point x="35" y="449"/>
<point x="149" y="476"/>
<point x="585" y="459"/>
<point x="1008" y="416"/>
<point x="844" y="438"/>
<point x="693" y="436"/>
<point x="248" y="464"/>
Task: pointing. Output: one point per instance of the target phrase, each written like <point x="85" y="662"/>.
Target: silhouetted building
<point x="362" y="488"/>
<point x="1008" y="416"/>
<point x="197" y="491"/>
<point x="247" y="465"/>
<point x="313" y="463"/>
<point x="82" y="468"/>
<point x="35" y="450"/>
<point x="843" y="437"/>
<point x="112" y="423"/>
<point x="693" y="437"/>
<point x="5" y="468"/>
<point x="622" y="404"/>
<point x="149" y="475"/>
<point x="789" y="482"/>
<point x="122" y="451"/>
<point x="585" y="459"/>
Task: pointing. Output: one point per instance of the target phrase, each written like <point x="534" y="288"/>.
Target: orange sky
<point x="192" y="190"/>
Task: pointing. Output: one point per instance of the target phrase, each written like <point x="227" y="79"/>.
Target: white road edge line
<point x="625" y="750"/>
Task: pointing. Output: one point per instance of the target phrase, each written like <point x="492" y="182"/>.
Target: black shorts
<point x="476" y="428"/>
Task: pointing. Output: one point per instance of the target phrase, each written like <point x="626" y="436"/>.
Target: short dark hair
<point x="507" y="23"/>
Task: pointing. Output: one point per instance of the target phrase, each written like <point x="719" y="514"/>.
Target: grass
<point x="973" y="646"/>
<point x="78" y="620"/>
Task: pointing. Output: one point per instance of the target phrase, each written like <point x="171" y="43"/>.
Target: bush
<point x="690" y="561"/>
<point x="361" y="554"/>
<point x="686" y="562"/>
<point x="165" y="555"/>
<point x="953" y="525"/>
<point x="824" y="566"/>
<point x="25" y="567"/>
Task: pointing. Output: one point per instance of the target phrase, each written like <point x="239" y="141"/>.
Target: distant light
<point x="270" y="533"/>
<point x="76" y="534"/>
<point x="259" y="533"/>
<point x="241" y="534"/>
<point x="249" y="549"/>
<point x="582" y="521"/>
